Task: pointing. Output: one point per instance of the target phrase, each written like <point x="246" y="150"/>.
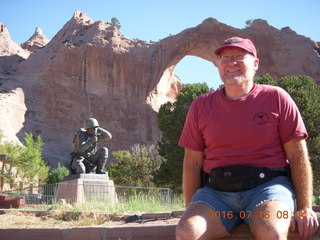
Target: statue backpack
<point x="74" y="155"/>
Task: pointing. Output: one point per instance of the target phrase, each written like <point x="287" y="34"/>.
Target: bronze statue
<point x="86" y="158"/>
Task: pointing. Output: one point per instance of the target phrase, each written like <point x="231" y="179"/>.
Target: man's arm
<point x="103" y="134"/>
<point x="192" y="165"/>
<point x="82" y="142"/>
<point x="301" y="173"/>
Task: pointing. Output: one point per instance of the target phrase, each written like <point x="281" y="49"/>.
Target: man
<point x="247" y="138"/>
<point x="85" y="158"/>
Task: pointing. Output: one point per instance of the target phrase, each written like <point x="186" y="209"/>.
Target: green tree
<point x="57" y="174"/>
<point x="249" y="22"/>
<point x="306" y="94"/>
<point x="30" y="159"/>
<point x="27" y="159"/>
<point x="116" y="22"/>
<point x="171" y="119"/>
<point x="266" y="79"/>
<point x="12" y="151"/>
<point x="135" y="167"/>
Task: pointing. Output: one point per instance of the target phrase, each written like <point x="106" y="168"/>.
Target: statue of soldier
<point x="86" y="158"/>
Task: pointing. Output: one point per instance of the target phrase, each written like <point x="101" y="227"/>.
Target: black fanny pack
<point x="241" y="178"/>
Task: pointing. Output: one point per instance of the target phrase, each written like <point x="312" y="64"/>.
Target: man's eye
<point x="240" y="57"/>
<point x="224" y="58"/>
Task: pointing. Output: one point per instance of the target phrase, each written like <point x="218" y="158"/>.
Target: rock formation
<point x="11" y="53"/>
<point x="89" y="69"/>
<point x="36" y="41"/>
<point x="12" y="105"/>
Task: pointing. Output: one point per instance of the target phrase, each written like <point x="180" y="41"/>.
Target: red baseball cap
<point x="243" y="43"/>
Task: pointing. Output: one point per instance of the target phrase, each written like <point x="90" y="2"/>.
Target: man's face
<point x="237" y="66"/>
<point x="92" y="131"/>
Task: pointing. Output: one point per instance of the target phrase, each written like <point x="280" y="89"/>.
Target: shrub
<point x="135" y="167"/>
<point x="58" y="174"/>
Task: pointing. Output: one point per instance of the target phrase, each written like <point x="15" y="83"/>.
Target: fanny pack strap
<point x="242" y="178"/>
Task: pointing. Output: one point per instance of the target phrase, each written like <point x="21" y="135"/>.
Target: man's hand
<point x="94" y="139"/>
<point x="307" y="223"/>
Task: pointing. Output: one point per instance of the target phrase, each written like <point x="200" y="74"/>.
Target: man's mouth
<point x="233" y="71"/>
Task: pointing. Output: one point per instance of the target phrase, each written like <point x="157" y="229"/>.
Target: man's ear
<point x="256" y="64"/>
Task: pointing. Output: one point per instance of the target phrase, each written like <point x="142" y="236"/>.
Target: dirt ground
<point x="22" y="219"/>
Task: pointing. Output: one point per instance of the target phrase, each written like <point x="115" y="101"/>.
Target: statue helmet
<point x="90" y="123"/>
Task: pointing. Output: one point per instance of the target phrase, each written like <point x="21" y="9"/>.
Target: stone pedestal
<point x="81" y="188"/>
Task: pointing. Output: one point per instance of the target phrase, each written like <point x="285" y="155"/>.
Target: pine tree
<point x="171" y="119"/>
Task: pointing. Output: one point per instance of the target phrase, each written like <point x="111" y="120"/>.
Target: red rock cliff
<point x="89" y="69"/>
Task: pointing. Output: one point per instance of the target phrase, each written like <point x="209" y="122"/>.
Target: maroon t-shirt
<point x="246" y="131"/>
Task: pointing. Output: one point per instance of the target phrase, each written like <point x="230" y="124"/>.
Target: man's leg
<point x="100" y="159"/>
<point x="271" y="220"/>
<point x="78" y="166"/>
<point x="272" y="204"/>
<point x="209" y="216"/>
<point x="199" y="222"/>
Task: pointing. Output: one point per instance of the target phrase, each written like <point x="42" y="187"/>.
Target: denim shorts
<point x="233" y="208"/>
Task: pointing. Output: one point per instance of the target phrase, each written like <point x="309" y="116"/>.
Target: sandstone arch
<point x="90" y="68"/>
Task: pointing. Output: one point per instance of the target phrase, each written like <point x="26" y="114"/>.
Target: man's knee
<point x="200" y="228"/>
<point x="195" y="224"/>
<point x="77" y="166"/>
<point x="104" y="151"/>
<point x="80" y="169"/>
<point x="180" y="233"/>
<point x="190" y="229"/>
<point x="266" y="223"/>
<point x="183" y="232"/>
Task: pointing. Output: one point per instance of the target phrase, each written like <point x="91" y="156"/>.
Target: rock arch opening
<point x="180" y="71"/>
<point x="193" y="69"/>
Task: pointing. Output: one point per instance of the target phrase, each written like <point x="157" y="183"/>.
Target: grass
<point x="56" y="219"/>
<point x="92" y="213"/>
<point x="135" y="204"/>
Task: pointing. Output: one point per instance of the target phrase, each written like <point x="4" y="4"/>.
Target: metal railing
<point x="51" y="193"/>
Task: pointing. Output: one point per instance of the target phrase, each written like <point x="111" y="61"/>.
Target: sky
<point x="157" y="19"/>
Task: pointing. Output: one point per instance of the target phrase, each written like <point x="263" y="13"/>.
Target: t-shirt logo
<point x="261" y="118"/>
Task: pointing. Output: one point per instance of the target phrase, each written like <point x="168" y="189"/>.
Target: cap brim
<point x="219" y="50"/>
